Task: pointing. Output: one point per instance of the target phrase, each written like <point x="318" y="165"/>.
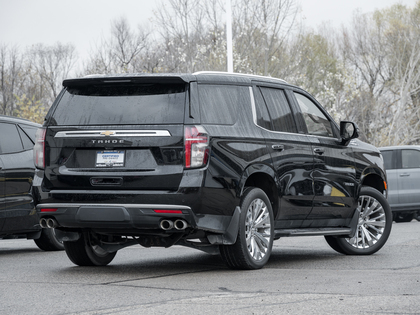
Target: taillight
<point x="48" y="209"/>
<point x="39" y="148"/>
<point x="196" y="145"/>
<point x="168" y="211"/>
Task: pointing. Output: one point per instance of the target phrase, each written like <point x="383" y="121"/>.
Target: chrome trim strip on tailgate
<point x="112" y="133"/>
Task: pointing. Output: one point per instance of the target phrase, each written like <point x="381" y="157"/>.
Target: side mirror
<point x="348" y="131"/>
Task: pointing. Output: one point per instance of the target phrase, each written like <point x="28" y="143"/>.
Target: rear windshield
<point x="121" y="104"/>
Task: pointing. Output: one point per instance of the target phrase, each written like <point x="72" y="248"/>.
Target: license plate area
<point x="110" y="158"/>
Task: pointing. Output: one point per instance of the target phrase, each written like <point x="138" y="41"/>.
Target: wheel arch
<point x="262" y="176"/>
<point x="374" y="178"/>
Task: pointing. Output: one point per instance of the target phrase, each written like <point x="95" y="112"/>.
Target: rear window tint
<point x="410" y="158"/>
<point x="122" y="104"/>
<point x="389" y="159"/>
<point x="30" y="131"/>
<point x="26" y="141"/>
<point x="220" y="103"/>
<point x="279" y="109"/>
<point x="9" y="140"/>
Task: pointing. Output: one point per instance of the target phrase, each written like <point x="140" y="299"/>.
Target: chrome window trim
<point x="254" y="118"/>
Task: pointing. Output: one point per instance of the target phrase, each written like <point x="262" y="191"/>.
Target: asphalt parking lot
<point x="304" y="275"/>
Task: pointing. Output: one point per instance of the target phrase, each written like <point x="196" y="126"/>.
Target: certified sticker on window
<point x="109" y="158"/>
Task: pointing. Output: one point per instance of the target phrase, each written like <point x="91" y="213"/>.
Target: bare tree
<point x="404" y="42"/>
<point x="53" y="64"/>
<point x="182" y="27"/>
<point x="10" y="68"/>
<point x="262" y="28"/>
<point x="122" y="52"/>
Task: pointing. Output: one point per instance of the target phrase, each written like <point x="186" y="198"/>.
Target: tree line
<point x="367" y="72"/>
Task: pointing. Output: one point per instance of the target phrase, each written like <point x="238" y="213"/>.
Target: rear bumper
<point x="139" y="219"/>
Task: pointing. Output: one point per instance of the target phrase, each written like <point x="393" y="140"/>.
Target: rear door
<point x="409" y="178"/>
<point x="334" y="173"/>
<point x="117" y="134"/>
<point x="290" y="151"/>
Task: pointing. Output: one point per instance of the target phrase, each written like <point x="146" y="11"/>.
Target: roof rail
<point x="238" y="74"/>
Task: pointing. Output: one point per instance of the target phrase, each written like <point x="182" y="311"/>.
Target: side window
<point x="30" y="131"/>
<point x="10" y="139"/>
<point x="278" y="107"/>
<point x="219" y="103"/>
<point x="26" y="140"/>
<point x="316" y="122"/>
<point x="389" y="159"/>
<point x="410" y="158"/>
<point x="263" y="118"/>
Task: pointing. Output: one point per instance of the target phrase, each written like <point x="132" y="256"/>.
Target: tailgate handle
<point x="106" y="181"/>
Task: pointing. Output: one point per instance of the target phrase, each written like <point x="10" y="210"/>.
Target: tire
<point x="48" y="241"/>
<point x="404" y="217"/>
<point x="83" y="253"/>
<point x="254" y="242"/>
<point x="373" y="228"/>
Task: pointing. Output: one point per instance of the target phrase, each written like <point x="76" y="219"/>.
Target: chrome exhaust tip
<point x="43" y="223"/>
<point x="166" y="225"/>
<point x="180" y="224"/>
<point x="51" y="223"/>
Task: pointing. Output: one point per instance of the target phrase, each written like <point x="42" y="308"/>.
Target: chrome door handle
<point x="319" y="151"/>
<point x="279" y="147"/>
<point x="404" y="174"/>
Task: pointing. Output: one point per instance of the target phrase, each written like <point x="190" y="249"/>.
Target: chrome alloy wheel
<point x="257" y="229"/>
<point x="371" y="225"/>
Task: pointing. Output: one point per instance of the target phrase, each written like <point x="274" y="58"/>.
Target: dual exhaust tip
<point x="177" y="224"/>
<point x="48" y="223"/>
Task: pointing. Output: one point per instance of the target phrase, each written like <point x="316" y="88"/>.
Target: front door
<point x="334" y="174"/>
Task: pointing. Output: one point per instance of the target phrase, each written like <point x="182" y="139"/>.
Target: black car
<point x="18" y="217"/>
<point x="224" y="163"/>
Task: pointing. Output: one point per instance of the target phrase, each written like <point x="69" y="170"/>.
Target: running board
<point x="312" y="232"/>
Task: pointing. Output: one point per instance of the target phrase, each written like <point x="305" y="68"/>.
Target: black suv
<point x="18" y="217"/>
<point x="224" y="163"/>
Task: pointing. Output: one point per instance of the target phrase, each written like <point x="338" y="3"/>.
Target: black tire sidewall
<point x="81" y="253"/>
<point x="351" y="250"/>
<point x="98" y="260"/>
<point x="48" y="241"/>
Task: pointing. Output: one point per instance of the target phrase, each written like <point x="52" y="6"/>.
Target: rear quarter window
<point x="9" y="139"/>
<point x="220" y="103"/>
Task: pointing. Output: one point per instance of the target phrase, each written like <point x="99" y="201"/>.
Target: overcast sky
<point x="84" y="22"/>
